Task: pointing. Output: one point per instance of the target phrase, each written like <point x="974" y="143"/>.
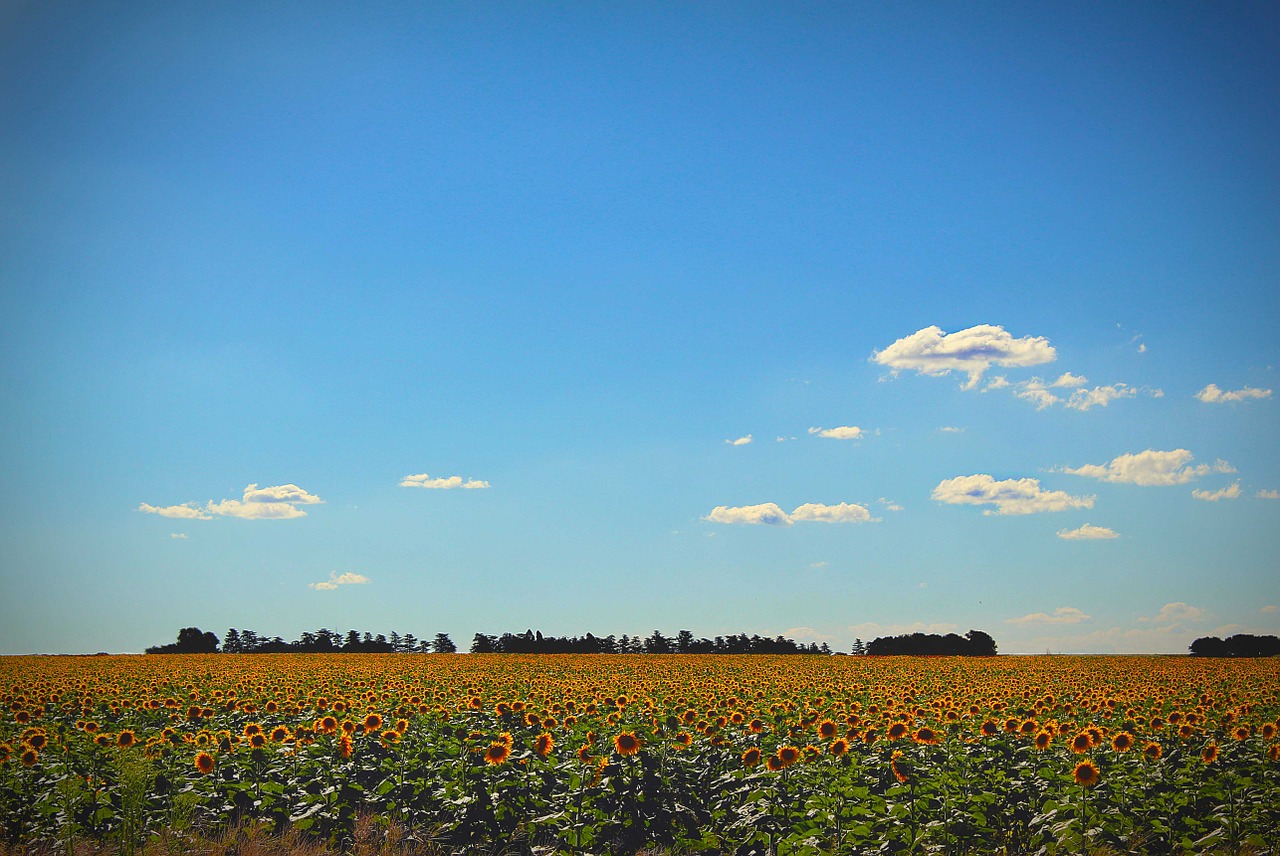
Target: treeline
<point x="684" y="642"/>
<point x="975" y="643"/>
<point x="192" y="641"/>
<point x="1240" y="645"/>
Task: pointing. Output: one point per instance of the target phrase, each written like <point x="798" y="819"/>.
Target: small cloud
<point x="1150" y="468"/>
<point x="449" y="483"/>
<point x="289" y="493"/>
<point x="335" y="580"/>
<point x="1270" y="608"/>
<point x="1087" y="533"/>
<point x="1232" y="492"/>
<point x="819" y="564"/>
<point x="1037" y="393"/>
<point x="186" y="511"/>
<point x="785" y="439"/>
<point x="1174" y="613"/>
<point x="741" y="441"/>
<point x="181" y="536"/>
<point x="1142" y="348"/>
<point x="770" y="514"/>
<point x="930" y="351"/>
<point x="1061" y="615"/>
<point x="1010" y="496"/>
<point x="844" y="432"/>
<point x="1211" y="394"/>
<point x="1099" y="396"/>
<point x="1268" y="494"/>
<point x="1068" y="380"/>
<point x="997" y="382"/>
<point x="889" y="504"/>
<point x="948" y="429"/>
<point x="803" y="633"/>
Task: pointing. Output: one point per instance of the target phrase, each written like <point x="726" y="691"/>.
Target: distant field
<point x="690" y="753"/>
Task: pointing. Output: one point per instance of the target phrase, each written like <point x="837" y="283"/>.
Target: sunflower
<point x="1242" y="733"/>
<point x="899" y="767"/>
<point x="37" y="740"/>
<point x="1081" y="742"/>
<point x="279" y="734"/>
<point x="826" y="729"/>
<point x="684" y="738"/>
<point x="126" y="738"/>
<point x="1268" y="730"/>
<point x="1210" y="753"/>
<point x="1086" y="774"/>
<point x="1273" y="752"/>
<point x="626" y="743"/>
<point x="774" y="763"/>
<point x="205" y="762"/>
<point x="1043" y="739"/>
<point x="751" y="757"/>
<point x="497" y="753"/>
<point x="29" y="756"/>
<point x="327" y="725"/>
<point x="897" y="731"/>
<point x="1186" y="731"/>
<point x="990" y="729"/>
<point x="756" y="726"/>
<point x="584" y="753"/>
<point x="838" y="747"/>
<point x="1122" y="742"/>
<point x="788" y="755"/>
<point x="372" y="722"/>
<point x="543" y="744"/>
<point x="1029" y="727"/>
<point x="1152" y="751"/>
<point x="257" y="741"/>
<point x="251" y="729"/>
<point x="927" y="736"/>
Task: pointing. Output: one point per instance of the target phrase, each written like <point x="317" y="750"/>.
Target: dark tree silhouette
<point x="1239" y="645"/>
<point x="191" y="640"/>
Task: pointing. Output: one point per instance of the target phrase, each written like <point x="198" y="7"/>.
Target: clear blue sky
<point x="993" y="290"/>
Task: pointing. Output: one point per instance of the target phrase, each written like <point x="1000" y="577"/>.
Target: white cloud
<point x="741" y="441"/>
<point x="889" y="504"/>
<point x="932" y="352"/>
<point x="1087" y="532"/>
<point x="767" y="514"/>
<point x="1150" y="468"/>
<point x="844" y="512"/>
<point x="770" y="514"/>
<point x="279" y="502"/>
<point x="1270" y="608"/>
<point x="997" y="382"/>
<point x="187" y="511"/>
<point x="949" y="429"/>
<point x="1211" y="394"/>
<point x="1010" y="496"/>
<point x="1068" y="380"/>
<point x="1035" y="392"/>
<point x="1232" y="492"/>
<point x="1175" y="613"/>
<point x="1061" y="615"/>
<point x="1268" y="494"/>
<point x="335" y="580"/>
<point x="802" y="634"/>
<point x="181" y="536"/>
<point x="819" y="564"/>
<point x="449" y="483"/>
<point x="1099" y="396"/>
<point x="844" y="432"/>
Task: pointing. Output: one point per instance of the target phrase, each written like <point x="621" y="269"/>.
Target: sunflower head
<point x="838" y="747"/>
<point x="1122" y="742"/>
<point x="1081" y="742"/>
<point x="788" y="755"/>
<point x="774" y="763"/>
<point x="1210" y="753"/>
<point x="497" y="753"/>
<point x="1043" y="739"/>
<point x="826" y="729"/>
<point x="543" y="744"/>
<point x="751" y="757"/>
<point x="205" y="762"/>
<point x="126" y="738"/>
<point x="1086" y="774"/>
<point x="1152" y="751"/>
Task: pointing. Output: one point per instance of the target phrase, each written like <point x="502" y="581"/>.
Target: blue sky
<point x="446" y="318"/>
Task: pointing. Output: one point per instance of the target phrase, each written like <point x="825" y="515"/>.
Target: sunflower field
<point x="675" y="754"/>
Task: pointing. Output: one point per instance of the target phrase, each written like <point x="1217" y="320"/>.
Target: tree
<point x="980" y="644"/>
<point x="444" y="645"/>
<point x="231" y="644"/>
<point x="482" y="643"/>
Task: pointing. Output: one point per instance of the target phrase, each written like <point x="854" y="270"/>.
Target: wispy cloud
<point x="1175" y="613"/>
<point x="1268" y="494"/>
<point x="1150" y="468"/>
<point x="180" y="536"/>
<point x="335" y="580"/>
<point x="889" y="504"/>
<point x="951" y="429"/>
<point x="1088" y="532"/>
<point x="279" y="502"/>
<point x="1211" y="394"/>
<point x="771" y="514"/>
<point x="844" y="432"/>
<point x="1010" y="496"/>
<point x="741" y="441"/>
<point x="447" y="483"/>
<point x="1232" y="492"/>
<point x="930" y="351"/>
<point x="1061" y="615"/>
<point x="1270" y="609"/>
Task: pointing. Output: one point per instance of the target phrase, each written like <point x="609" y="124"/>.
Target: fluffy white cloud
<point x="951" y="429"/>
<point x="1099" y="396"/>
<point x="1211" y="394"/>
<point x="770" y="514"/>
<point x="1268" y="494"/>
<point x="741" y="441"/>
<point x="844" y="512"/>
<point x="1232" y="492"/>
<point x="1068" y="380"/>
<point x="335" y="580"/>
<point x="1010" y="496"/>
<point x="1176" y="613"/>
<point x="1061" y="615"/>
<point x="1087" y="532"/>
<point x="1150" y="468"/>
<point x="448" y="483"/>
<point x="187" y="511"/>
<point x="279" y="502"/>
<point x="844" y="432"/>
<point x="932" y="352"/>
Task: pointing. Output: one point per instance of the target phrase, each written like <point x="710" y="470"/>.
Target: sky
<point x="826" y="320"/>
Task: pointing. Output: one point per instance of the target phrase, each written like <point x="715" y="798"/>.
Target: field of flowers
<point x="686" y="753"/>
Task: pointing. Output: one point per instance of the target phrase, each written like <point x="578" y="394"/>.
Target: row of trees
<point x="1240" y="645"/>
<point x="192" y="641"/>
<point x="684" y="642"/>
<point x="975" y="643"/>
